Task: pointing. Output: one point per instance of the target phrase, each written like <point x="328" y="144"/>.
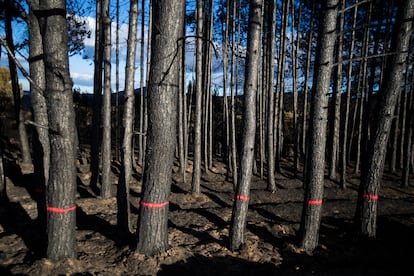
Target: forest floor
<point x="199" y="230"/>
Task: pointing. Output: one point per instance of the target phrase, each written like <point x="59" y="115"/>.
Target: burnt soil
<point x="199" y="230"/>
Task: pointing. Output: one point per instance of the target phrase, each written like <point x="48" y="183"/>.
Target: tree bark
<point x="270" y="62"/>
<point x="41" y="145"/>
<point x="124" y="212"/>
<point x="97" y="99"/>
<point x="345" y="127"/>
<point x="306" y="88"/>
<point x="168" y="18"/>
<point x="314" y="179"/>
<point x="335" y="132"/>
<point x="61" y="188"/>
<point x="240" y="205"/>
<point x="372" y="174"/>
<point x="106" y="182"/>
<point x="195" y="184"/>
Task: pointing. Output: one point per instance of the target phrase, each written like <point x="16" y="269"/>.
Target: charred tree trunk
<point x="61" y="188"/>
<point x="372" y="174"/>
<point x="195" y="184"/>
<point x="106" y="182"/>
<point x="270" y="62"/>
<point x="124" y="212"/>
<point x="97" y="99"/>
<point x="314" y="179"/>
<point x="240" y="205"/>
<point x="41" y="145"/>
<point x="168" y="18"/>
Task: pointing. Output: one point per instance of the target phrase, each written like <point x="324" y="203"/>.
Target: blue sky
<point x="82" y="69"/>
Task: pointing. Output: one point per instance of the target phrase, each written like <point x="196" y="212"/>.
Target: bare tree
<point x="335" y="130"/>
<point x="106" y="181"/>
<point x="41" y="145"/>
<point x="195" y="184"/>
<point x="314" y="178"/>
<point x="123" y="215"/>
<point x="97" y="98"/>
<point x="270" y="62"/>
<point x="371" y="176"/>
<point x="61" y="188"/>
<point x="168" y="18"/>
<point x="345" y="127"/>
<point x="240" y="205"/>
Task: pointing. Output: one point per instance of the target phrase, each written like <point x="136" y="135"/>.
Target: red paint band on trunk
<point x="154" y="205"/>
<point x="373" y="197"/>
<point x="60" y="210"/>
<point x="242" y="197"/>
<point x="39" y="190"/>
<point x="315" y="202"/>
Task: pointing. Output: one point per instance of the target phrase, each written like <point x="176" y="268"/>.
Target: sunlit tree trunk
<point x="195" y="184"/>
<point x="241" y="200"/>
<point x="168" y="20"/>
<point x="142" y="106"/>
<point x="226" y="128"/>
<point x="61" y="188"/>
<point x="182" y="107"/>
<point x="123" y="202"/>
<point x="315" y="172"/>
<point x="233" y="151"/>
<point x="106" y="182"/>
<point x="41" y="145"/>
<point x="270" y="62"/>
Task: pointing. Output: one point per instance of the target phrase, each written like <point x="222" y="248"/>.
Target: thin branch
<point x="18" y="64"/>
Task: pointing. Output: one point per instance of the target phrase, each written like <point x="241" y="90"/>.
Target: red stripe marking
<point x="39" y="190"/>
<point x="154" y="205"/>
<point x="315" y="202"/>
<point x="242" y="197"/>
<point x="60" y="210"/>
<point x="373" y="197"/>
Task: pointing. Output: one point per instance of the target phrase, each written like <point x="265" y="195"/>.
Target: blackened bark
<point x="61" y="188"/>
<point x="372" y="174"/>
<point x="195" y="184"/>
<point x="270" y="61"/>
<point x="97" y="99"/>
<point x="241" y="202"/>
<point x="314" y="179"/>
<point x="19" y="113"/>
<point x="106" y="181"/>
<point x="41" y="146"/>
<point x="168" y="20"/>
<point x="334" y="135"/>
<point x="124" y="211"/>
